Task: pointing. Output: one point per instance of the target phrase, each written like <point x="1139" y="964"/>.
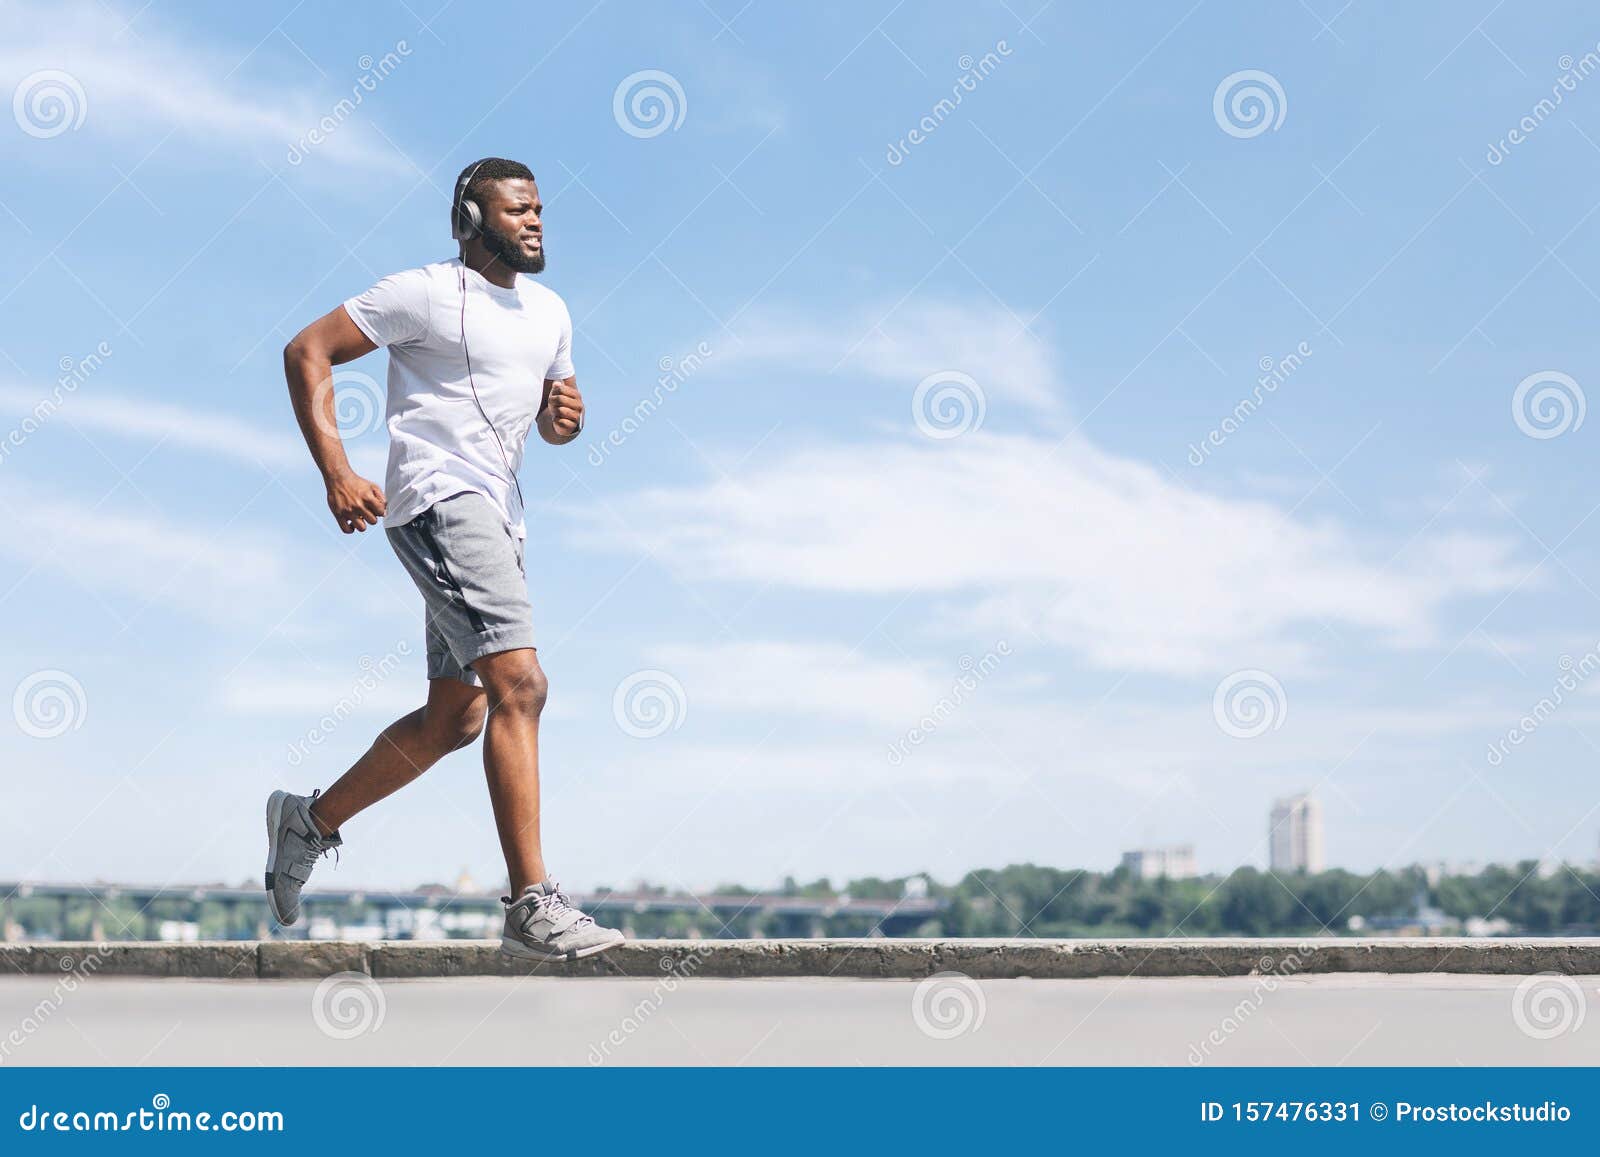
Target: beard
<point x="510" y="254"/>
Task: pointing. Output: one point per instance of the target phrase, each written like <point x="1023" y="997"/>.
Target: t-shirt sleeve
<point x="393" y="311"/>
<point x="561" y="368"/>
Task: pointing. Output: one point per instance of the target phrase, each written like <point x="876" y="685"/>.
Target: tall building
<point x="1175" y="862"/>
<point x="1296" y="835"/>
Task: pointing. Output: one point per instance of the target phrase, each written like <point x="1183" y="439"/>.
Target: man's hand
<point x="562" y="415"/>
<point x="308" y="363"/>
<point x="355" y="502"/>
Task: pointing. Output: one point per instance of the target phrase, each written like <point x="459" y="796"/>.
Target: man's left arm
<point x="561" y="412"/>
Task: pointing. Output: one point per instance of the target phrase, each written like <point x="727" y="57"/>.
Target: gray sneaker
<point x="543" y="925"/>
<point x="294" y="844"/>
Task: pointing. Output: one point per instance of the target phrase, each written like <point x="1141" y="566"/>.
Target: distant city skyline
<point x="1174" y="862"/>
<point x="1295" y="834"/>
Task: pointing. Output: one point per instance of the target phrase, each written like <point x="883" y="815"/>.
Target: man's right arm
<point x="308" y="363"/>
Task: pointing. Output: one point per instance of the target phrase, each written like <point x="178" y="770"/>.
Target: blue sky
<point x="1083" y="265"/>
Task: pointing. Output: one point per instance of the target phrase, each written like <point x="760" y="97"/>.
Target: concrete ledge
<point x="300" y="959"/>
<point x="216" y="960"/>
<point x="858" y="959"/>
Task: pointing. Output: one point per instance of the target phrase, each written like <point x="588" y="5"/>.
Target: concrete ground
<point x="1343" y="1019"/>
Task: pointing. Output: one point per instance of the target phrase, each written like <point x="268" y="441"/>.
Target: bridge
<point x="399" y="913"/>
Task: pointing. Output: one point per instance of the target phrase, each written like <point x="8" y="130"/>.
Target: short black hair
<point x="492" y="169"/>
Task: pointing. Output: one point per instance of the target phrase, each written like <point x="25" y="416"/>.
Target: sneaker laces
<point x="315" y="849"/>
<point x="555" y="905"/>
<point x="317" y="845"/>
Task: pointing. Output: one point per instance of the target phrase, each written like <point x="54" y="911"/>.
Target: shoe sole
<point x="274" y="821"/>
<point x="513" y="947"/>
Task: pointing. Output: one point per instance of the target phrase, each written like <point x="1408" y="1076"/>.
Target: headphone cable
<point x="522" y="504"/>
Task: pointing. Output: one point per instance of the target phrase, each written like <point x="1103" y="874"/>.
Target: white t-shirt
<point x="439" y="443"/>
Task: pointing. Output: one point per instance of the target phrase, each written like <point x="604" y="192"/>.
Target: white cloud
<point x="1094" y="552"/>
<point x="378" y="688"/>
<point x="903" y="344"/>
<point x="228" y="575"/>
<point x="179" y="426"/>
<point x="149" y="77"/>
<point x="208" y="432"/>
<point x="1096" y="756"/>
<point x="766" y="678"/>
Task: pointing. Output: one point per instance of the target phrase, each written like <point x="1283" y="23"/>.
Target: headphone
<point x="466" y="218"/>
<point x="466" y="222"/>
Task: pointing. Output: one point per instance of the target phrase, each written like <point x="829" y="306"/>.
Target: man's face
<point x="512" y="230"/>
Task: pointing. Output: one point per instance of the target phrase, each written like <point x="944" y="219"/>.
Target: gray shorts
<point x="468" y="566"/>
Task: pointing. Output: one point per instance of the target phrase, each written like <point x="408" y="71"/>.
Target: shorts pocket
<point x="439" y="565"/>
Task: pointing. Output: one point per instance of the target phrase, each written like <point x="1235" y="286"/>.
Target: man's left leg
<point x="451" y="719"/>
<point x="301" y="829"/>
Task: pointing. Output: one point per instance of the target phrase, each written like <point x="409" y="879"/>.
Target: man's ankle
<point x="324" y="829"/>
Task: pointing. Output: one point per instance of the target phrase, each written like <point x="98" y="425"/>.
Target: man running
<point x="469" y="343"/>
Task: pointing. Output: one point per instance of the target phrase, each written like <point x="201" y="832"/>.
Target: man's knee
<point x="518" y="687"/>
<point x="457" y="725"/>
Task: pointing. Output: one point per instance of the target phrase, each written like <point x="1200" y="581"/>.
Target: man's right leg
<point x="516" y="688"/>
<point x="541" y="922"/>
<point x="467" y="562"/>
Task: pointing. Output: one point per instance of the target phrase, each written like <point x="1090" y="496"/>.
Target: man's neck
<point x="491" y="268"/>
